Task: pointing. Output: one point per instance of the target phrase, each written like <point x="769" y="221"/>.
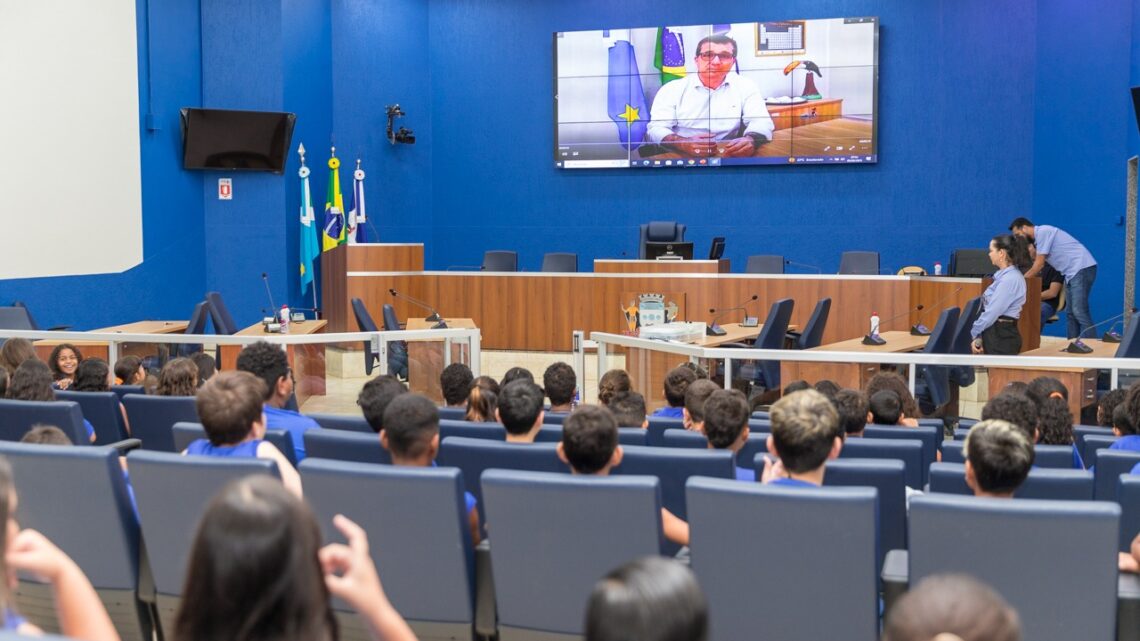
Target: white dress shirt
<point x="687" y="107"/>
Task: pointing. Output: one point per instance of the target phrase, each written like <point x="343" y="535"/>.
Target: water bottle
<point x="284" y="319"/>
<point x="937" y="269"/>
<point x="874" y="323"/>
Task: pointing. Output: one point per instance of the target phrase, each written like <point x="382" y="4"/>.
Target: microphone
<point x="921" y="330"/>
<point x="804" y="265"/>
<point x="1077" y="346"/>
<point x="712" y="329"/>
<point x="875" y="339"/>
<point x="434" y="318"/>
<point x="273" y="324"/>
<point x="265" y="279"/>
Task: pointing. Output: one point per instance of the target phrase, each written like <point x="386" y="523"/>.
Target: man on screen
<point x="716" y="112"/>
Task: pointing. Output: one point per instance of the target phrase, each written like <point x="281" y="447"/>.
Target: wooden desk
<point x="805" y="113"/>
<point x="307" y="361"/>
<point x="425" y="357"/>
<point x="850" y="375"/>
<point x="1080" y="381"/>
<point x="607" y="266"/>
<point x="100" y="349"/>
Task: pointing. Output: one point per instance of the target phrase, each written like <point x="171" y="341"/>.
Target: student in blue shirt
<point x="998" y="458"/>
<point x="271" y="365"/>
<point x="1122" y="426"/>
<point x="1068" y="256"/>
<point x="676" y="382"/>
<point x="726" y="426"/>
<point x="805" y="434"/>
<point x="995" y="331"/>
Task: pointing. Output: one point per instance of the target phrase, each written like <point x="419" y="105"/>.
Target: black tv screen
<point x="757" y="93"/>
<point x="227" y="139"/>
<point x="668" y="251"/>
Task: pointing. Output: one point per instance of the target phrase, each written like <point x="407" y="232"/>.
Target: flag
<point x="356" y="215"/>
<point x="309" y="249"/>
<point x="669" y="58"/>
<point x="626" y="97"/>
<point x="334" y="208"/>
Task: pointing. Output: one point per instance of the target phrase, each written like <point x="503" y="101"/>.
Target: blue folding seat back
<point x="684" y="438"/>
<point x="673" y="466"/>
<point x="1110" y="464"/>
<point x="1053" y="456"/>
<point x="103" y="410"/>
<point x="18" y="417"/>
<point x="909" y="451"/>
<point x="186" y="433"/>
<point x="472" y="429"/>
<point x="1013" y="547"/>
<point x="626" y="435"/>
<point x="1042" y="483"/>
<point x="1093" y="443"/>
<point x="952" y="451"/>
<point x="452" y="413"/>
<point x="123" y="390"/>
<point x="172" y="492"/>
<point x="343" y="445"/>
<point x="947" y="478"/>
<point x="554" y="536"/>
<point x="930" y="437"/>
<point x="757" y="443"/>
<point x="348" y="423"/>
<point x="808" y="534"/>
<point x="1128" y="495"/>
<point x="760" y="424"/>
<point x="889" y="478"/>
<point x="474" y="455"/>
<point x="960" y="433"/>
<point x="417" y="528"/>
<point x="152" y="418"/>
<point x="658" y="425"/>
<point x="1082" y="431"/>
<point x="554" y="418"/>
<point x="78" y="498"/>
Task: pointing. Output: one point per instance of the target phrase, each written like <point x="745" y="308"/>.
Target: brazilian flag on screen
<point x="626" y="97"/>
<point x="333" y="234"/>
<point x="669" y="58"/>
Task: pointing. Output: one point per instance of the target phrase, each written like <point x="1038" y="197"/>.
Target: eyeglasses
<point x="709" y="56"/>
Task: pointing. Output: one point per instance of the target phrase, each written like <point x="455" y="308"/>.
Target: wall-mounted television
<point x="236" y="140"/>
<point x="791" y="92"/>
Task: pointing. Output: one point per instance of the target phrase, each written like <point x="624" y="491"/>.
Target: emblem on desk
<point x="648" y="310"/>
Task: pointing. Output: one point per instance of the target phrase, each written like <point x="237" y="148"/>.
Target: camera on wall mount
<point x="403" y="135"/>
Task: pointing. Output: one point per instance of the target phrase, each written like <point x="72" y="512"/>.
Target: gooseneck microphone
<point x="875" y="339"/>
<point x="1078" y="346"/>
<point x="269" y="294"/>
<point x="815" y="268"/>
<point x="434" y="318"/>
<point x="918" y="329"/>
<point x="713" y="329"/>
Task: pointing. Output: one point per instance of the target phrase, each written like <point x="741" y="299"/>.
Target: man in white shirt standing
<point x="1068" y="256"/>
<point x="701" y="115"/>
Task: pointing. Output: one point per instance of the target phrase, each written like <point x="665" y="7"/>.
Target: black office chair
<point x="559" y="262"/>
<point x="812" y="336"/>
<point x="500" y="261"/>
<point x="32" y="320"/>
<point x="764" y="264"/>
<point x="397" y="350"/>
<point x="197" y="325"/>
<point x="859" y="263"/>
<point x="660" y="232"/>
<point x="224" y="323"/>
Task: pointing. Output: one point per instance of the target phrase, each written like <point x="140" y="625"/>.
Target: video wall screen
<point x="754" y="93"/>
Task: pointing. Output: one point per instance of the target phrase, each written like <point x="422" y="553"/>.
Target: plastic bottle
<point x="937" y="269"/>
<point x="874" y="323"/>
<point x="284" y="319"/>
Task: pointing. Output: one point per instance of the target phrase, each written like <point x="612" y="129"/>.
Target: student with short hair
<point x="805" y="434"/>
<point x="482" y="399"/>
<point x="700" y="371"/>
<point x="411" y="435"/>
<point x="998" y="458"/>
<point x="797" y="385"/>
<point x="1107" y="404"/>
<point x="650" y="599"/>
<point x="897" y="384"/>
<point x="32" y="382"/>
<point x="853" y="408"/>
<point x="1016" y="408"/>
<point x="560" y="382"/>
<point x="952" y="607"/>
<point x="726" y="426"/>
<point x="520" y="410"/>
<point x="1127" y="433"/>
<point x="828" y="388"/>
<point x="516" y="374"/>
<point x="375" y="396"/>
<point x="270" y="364"/>
<point x="455" y="381"/>
<point x="885" y="408"/>
<point x="676" y="382"/>
<point x="696" y="395"/>
<point x="612" y="382"/>
<point x="590" y="447"/>
<point x="230" y="408"/>
<point x="129" y="370"/>
<point x="629" y="410"/>
<point x="207" y="366"/>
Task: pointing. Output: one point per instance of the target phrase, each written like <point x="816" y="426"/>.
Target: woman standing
<point x="995" y="331"/>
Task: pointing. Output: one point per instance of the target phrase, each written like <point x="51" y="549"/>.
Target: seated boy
<point x="1014" y="407"/>
<point x="560" y="382"/>
<point x="590" y="447"/>
<point x="629" y="410"/>
<point x="676" y="382"/>
<point x="726" y="426"/>
<point x="805" y="434"/>
<point x="853" y="408"/>
<point x="520" y="410"/>
<point x="1129" y="436"/>
<point x="230" y="408"/>
<point x="375" y="396"/>
<point x="693" y="414"/>
<point x="271" y="365"/>
<point x="885" y="408"/>
<point x="998" y="458"/>
<point x="411" y="434"/>
<point x="1108" y="403"/>
<point x="455" y="381"/>
<point x="798" y="385"/>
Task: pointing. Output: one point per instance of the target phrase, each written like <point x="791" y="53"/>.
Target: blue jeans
<point x="1077" y="291"/>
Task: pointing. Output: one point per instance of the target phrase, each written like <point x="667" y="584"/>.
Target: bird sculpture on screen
<point x="810" y="92"/>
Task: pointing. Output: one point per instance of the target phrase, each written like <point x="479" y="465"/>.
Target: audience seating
<point x="885" y="475"/>
<point x="172" y="492"/>
<point x="1110" y="464"/>
<point x="20" y="416"/>
<point x="342" y="422"/>
<point x="660" y="232"/>
<point x="555" y="418"/>
<point x="559" y="262"/>
<point x="930" y="437"/>
<point x="472" y="429"/>
<point x="1042" y="556"/>
<point x="673" y="466"/>
<point x="452" y="413"/>
<point x="768" y="558"/>
<point x="123" y="390"/>
<point x="658" y="425"/>
<point x="78" y="498"/>
<point x="909" y="451"/>
<point x="500" y="261"/>
<point x="626" y="435"/>
<point x="1128" y="495"/>
<point x="1051" y="456"/>
<point x="764" y="264"/>
<point x="152" y="418"/>
<point x="554" y="536"/>
<point x="757" y="443"/>
<point x="343" y="445"/>
<point x="419" y="535"/>
<point x="103" y="410"/>
<point x="1042" y="483"/>
<point x="186" y="433"/>
<point x="1092" y="445"/>
<point x="474" y="455"/>
<point x="859" y="263"/>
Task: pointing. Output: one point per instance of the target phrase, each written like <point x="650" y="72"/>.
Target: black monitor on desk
<point x="971" y="263"/>
<point x="668" y="251"/>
